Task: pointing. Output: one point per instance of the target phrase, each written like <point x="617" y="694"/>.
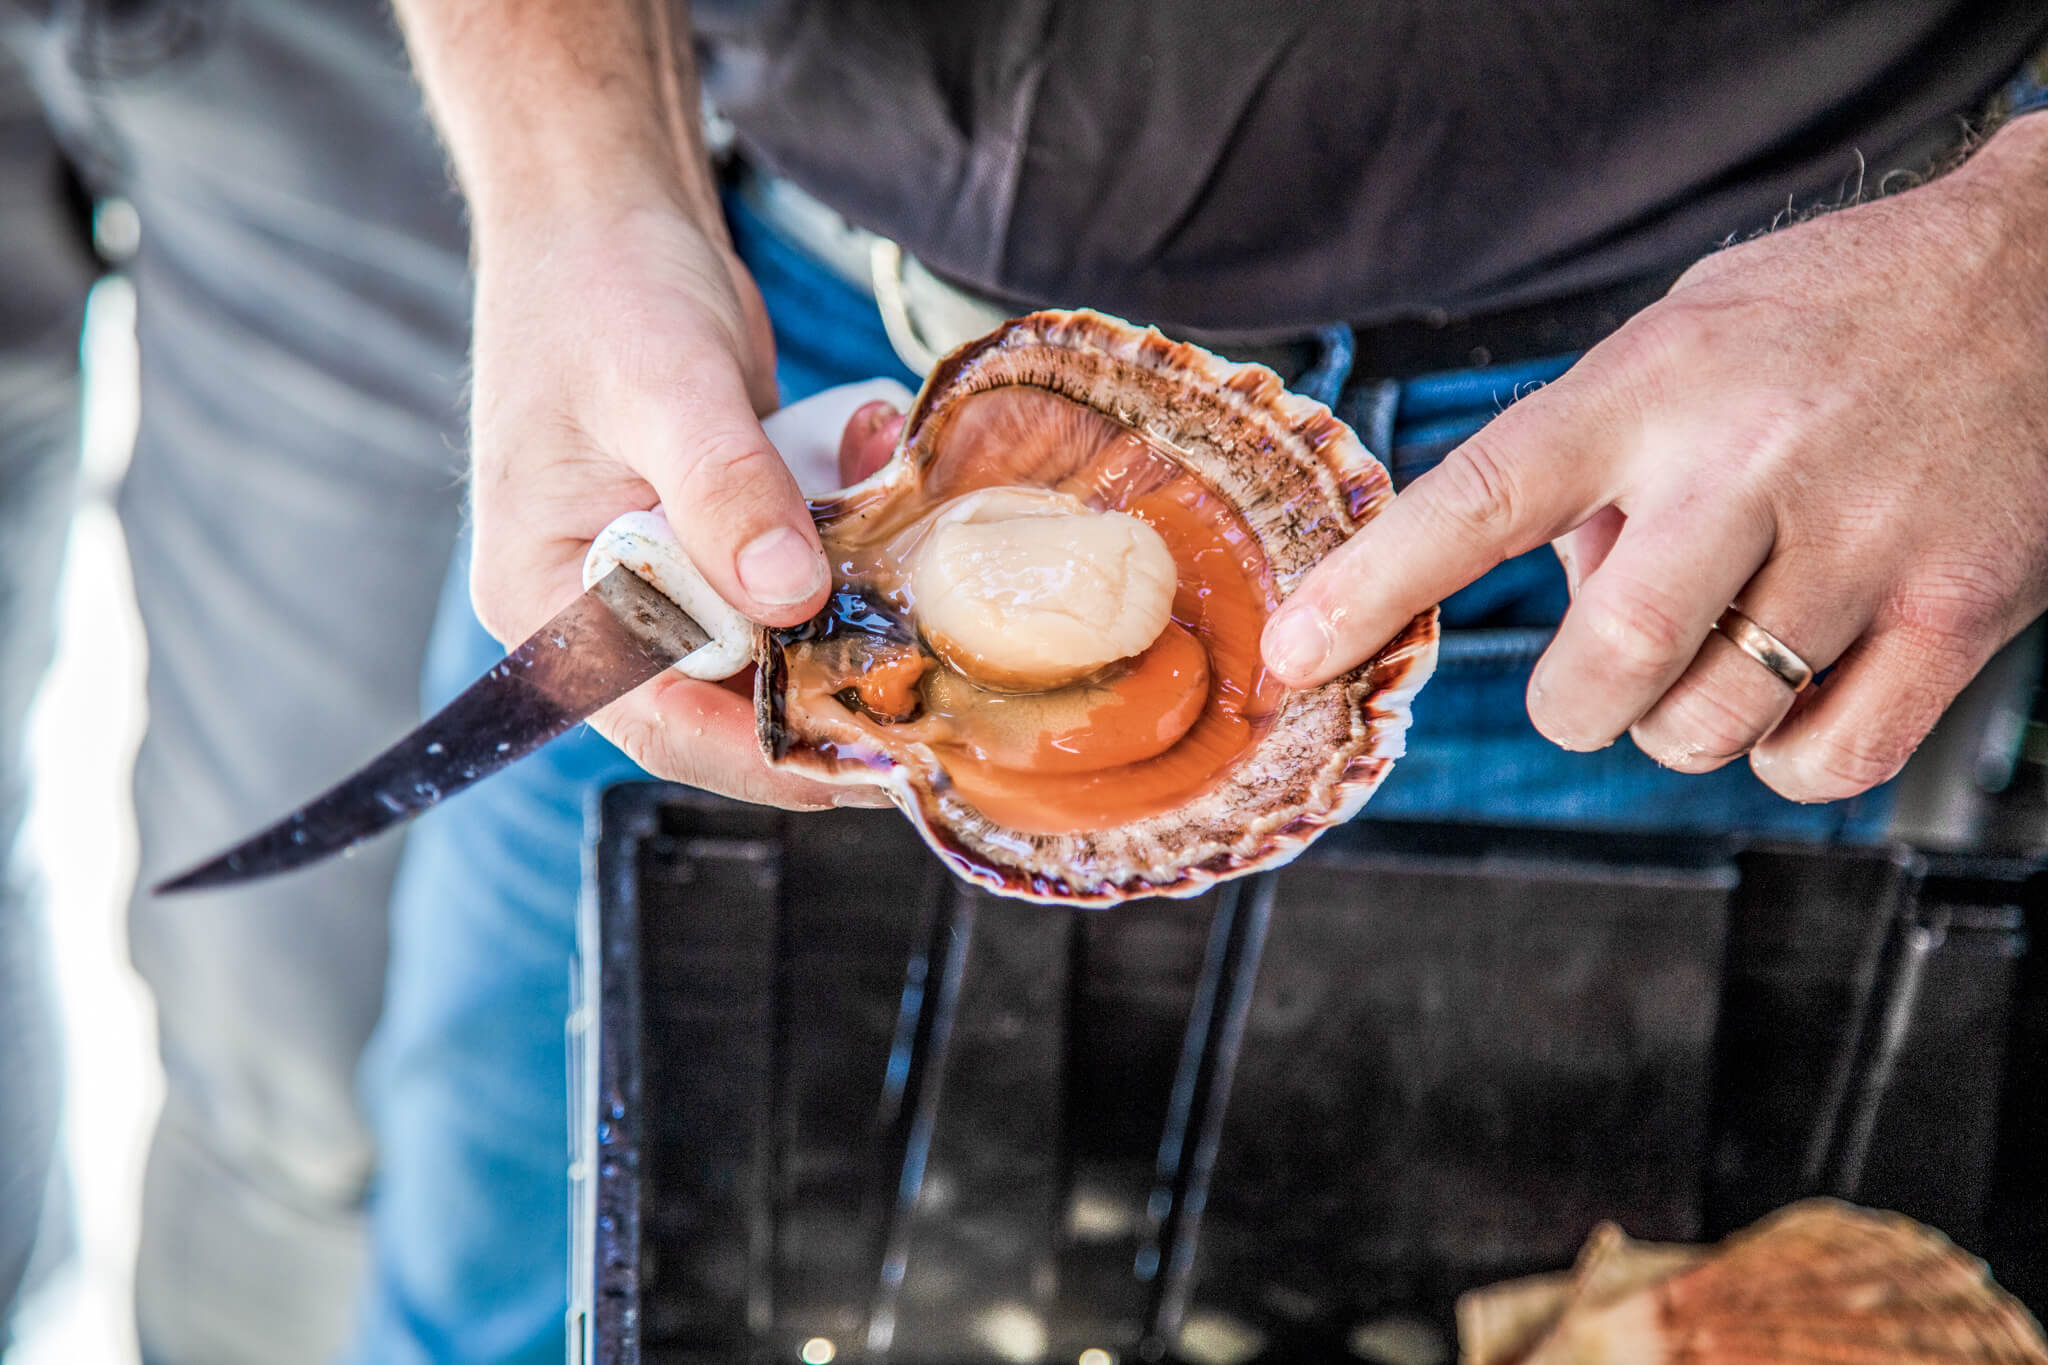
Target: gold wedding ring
<point x="1766" y="648"/>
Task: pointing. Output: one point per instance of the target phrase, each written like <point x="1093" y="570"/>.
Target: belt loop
<point x="1371" y="407"/>
<point x="1324" y="381"/>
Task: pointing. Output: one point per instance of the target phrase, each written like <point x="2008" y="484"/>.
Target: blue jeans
<point x="289" y="511"/>
<point x="466" y="1076"/>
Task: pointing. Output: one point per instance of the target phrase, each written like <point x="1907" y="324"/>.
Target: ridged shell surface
<point x="1819" y="1281"/>
<point x="1300" y="481"/>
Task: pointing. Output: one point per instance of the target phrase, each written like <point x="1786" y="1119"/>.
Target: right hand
<point x="620" y="363"/>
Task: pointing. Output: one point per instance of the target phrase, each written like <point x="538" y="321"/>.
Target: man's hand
<point x="1840" y="428"/>
<point x="621" y="350"/>
<point x="617" y="367"/>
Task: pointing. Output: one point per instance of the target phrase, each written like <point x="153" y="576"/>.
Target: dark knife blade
<point x="600" y="647"/>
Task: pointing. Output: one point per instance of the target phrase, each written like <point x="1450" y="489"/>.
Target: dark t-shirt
<point x="1243" y="164"/>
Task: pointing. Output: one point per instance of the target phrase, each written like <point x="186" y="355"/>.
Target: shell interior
<point x="1182" y="764"/>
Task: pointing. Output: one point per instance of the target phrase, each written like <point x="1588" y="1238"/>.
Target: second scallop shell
<point x="1819" y="1281"/>
<point x="1044" y="636"/>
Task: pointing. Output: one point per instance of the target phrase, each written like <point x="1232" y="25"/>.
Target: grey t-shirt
<point x="1249" y="164"/>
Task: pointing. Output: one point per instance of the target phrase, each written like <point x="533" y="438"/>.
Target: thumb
<point x="732" y="502"/>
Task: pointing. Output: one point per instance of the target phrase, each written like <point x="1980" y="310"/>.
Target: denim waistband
<point x="1411" y="424"/>
<point x="1424" y="419"/>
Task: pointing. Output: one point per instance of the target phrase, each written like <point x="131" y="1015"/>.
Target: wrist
<point x="574" y="114"/>
<point x="536" y="200"/>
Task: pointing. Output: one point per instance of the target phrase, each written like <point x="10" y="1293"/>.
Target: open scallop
<point x="1044" y="635"/>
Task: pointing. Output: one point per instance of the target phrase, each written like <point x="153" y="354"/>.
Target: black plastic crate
<point x="829" y="1094"/>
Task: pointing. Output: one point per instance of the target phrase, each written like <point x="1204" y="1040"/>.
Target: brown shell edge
<point x="1378" y="694"/>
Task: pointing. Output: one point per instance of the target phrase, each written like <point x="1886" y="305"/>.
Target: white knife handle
<point x="643" y="542"/>
<point x="807" y="434"/>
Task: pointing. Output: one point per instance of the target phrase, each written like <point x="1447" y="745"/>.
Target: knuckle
<point x="1936" y="647"/>
<point x="642" y="734"/>
<point x="1707" y="267"/>
<point x="1953" y="609"/>
<point x="640" y="738"/>
<point x="1637" y="628"/>
<point x="1665" y="333"/>
<point x="723" y="474"/>
<point x="1974" y="242"/>
<point x="1477" y="492"/>
<point x="1696" y="730"/>
<point x="1658" y="347"/>
<point x="1846" y="762"/>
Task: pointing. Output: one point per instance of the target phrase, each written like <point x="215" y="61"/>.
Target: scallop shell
<point x="1819" y="1281"/>
<point x="1300" y="481"/>
<point x="1497" y="1325"/>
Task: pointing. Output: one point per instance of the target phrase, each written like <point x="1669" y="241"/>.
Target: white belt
<point x="925" y="316"/>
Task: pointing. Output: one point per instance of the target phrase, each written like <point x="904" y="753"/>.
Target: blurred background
<point x="81" y="835"/>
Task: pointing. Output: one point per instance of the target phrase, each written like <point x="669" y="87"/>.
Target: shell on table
<point x="1820" y="1281"/>
<point x="1249" y="484"/>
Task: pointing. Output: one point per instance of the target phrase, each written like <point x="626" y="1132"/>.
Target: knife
<point x="617" y="635"/>
<point x="644" y="608"/>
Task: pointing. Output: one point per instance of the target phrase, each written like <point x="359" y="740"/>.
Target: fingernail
<point x="1296" y="643"/>
<point x="780" y="568"/>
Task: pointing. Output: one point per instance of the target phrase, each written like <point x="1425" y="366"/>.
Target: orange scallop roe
<point x="1111" y="768"/>
<point x="1225" y="595"/>
<point x="888" y="687"/>
<point x="1136" y="712"/>
<point x="1147" y="712"/>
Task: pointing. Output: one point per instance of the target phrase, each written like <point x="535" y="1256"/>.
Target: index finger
<point x="1538" y="470"/>
<point x="703" y="734"/>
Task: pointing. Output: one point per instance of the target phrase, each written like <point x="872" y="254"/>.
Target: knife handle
<point x="807" y="435"/>
<point x="644" y="543"/>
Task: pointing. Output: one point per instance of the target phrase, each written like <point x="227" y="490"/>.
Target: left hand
<point x="1841" y="428"/>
